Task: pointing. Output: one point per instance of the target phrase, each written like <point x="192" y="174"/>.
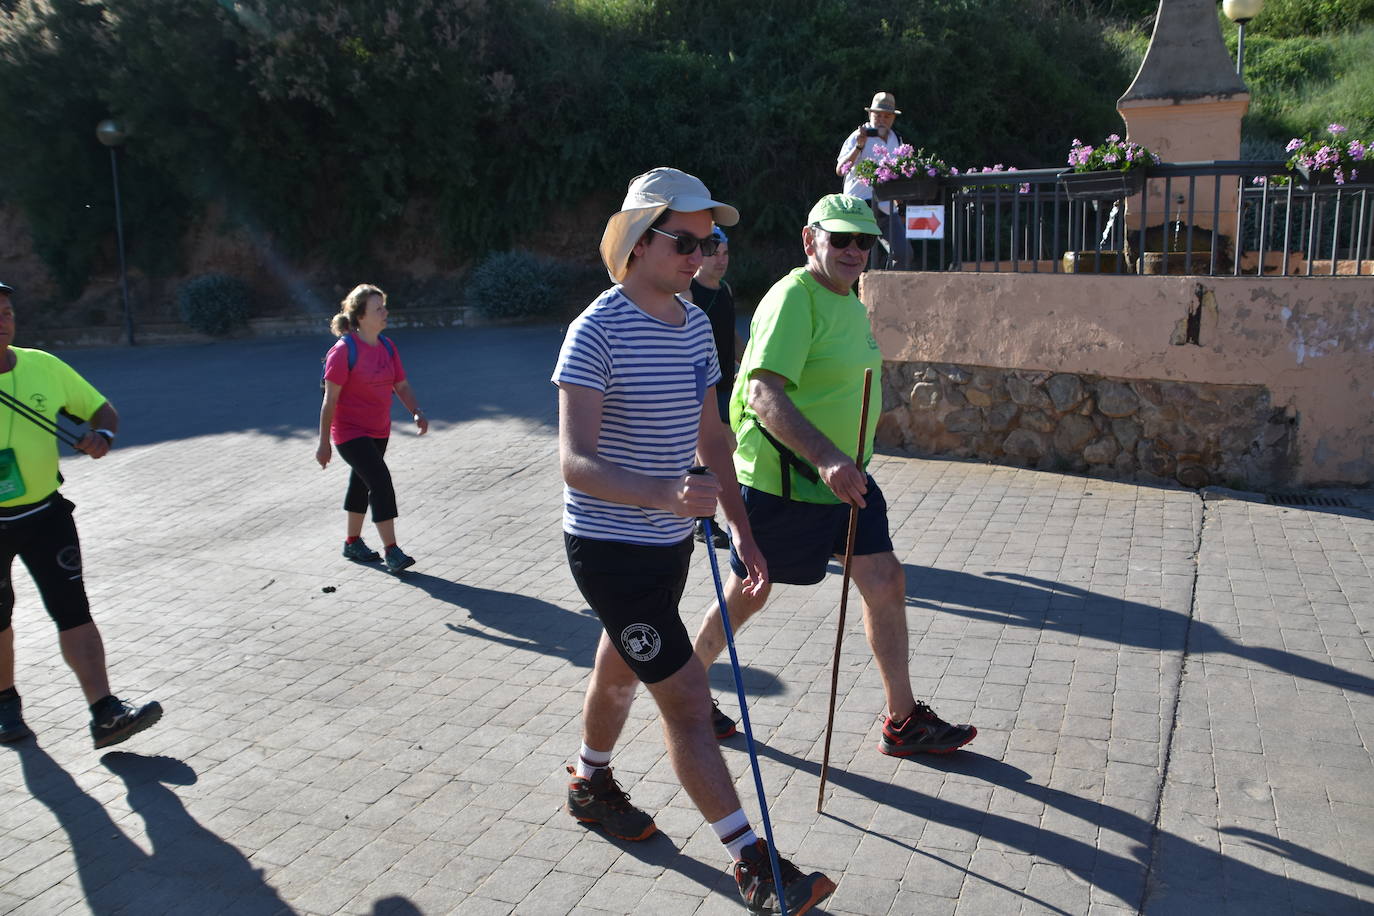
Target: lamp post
<point x="1240" y="12"/>
<point x="111" y="134"/>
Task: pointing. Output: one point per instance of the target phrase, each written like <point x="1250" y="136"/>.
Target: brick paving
<point x="1174" y="695"/>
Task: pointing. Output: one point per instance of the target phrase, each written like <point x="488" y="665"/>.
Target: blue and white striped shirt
<point x="653" y="377"/>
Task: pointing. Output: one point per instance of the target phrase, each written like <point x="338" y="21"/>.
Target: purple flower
<point x="1111" y="158"/>
<point x="1335" y="129"/>
<point x="886" y="174"/>
<point x="1357" y="150"/>
<point x="845" y="167"/>
<point x="932" y="172"/>
<point x="1340" y="176"/>
<point x="1294" y="145"/>
<point x="954" y="171"/>
<point x="904" y="150"/>
<point x="1114" y="138"/>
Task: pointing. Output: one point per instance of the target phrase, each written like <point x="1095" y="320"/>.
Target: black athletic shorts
<point x="635" y="591"/>
<point x="798" y="539"/>
<point x="43" y="535"/>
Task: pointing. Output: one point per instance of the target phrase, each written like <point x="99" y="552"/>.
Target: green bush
<point x="214" y="304"/>
<point x="518" y="284"/>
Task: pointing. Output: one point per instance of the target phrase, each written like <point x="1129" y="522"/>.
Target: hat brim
<point x="6" y="288"/>
<point x="626" y="228"/>
<point x="891" y="111"/>
<point x="845" y="224"/>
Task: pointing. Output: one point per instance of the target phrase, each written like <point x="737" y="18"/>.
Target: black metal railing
<point x="1214" y="218"/>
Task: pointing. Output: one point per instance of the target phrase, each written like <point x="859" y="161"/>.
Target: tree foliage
<point x="317" y="122"/>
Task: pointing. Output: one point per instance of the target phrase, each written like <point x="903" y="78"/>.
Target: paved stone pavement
<point x="1175" y="695"/>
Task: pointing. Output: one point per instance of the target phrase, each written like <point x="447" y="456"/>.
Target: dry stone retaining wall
<point x="1133" y="429"/>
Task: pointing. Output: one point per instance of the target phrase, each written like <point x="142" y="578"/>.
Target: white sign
<point x="925" y="222"/>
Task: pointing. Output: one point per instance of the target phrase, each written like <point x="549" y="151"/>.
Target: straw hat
<point x="648" y="196"/>
<point x="884" y="101"/>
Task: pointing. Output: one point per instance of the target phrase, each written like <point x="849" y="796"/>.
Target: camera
<point x="870" y="131"/>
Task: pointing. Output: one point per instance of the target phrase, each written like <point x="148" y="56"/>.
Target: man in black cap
<point x="36" y="525"/>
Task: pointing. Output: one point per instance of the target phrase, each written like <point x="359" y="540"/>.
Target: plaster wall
<point x="1308" y="340"/>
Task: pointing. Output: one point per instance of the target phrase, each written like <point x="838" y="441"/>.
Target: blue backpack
<point x="352" y="344"/>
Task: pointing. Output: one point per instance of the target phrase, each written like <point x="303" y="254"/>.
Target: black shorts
<point x="798" y="539"/>
<point x="44" y="536"/>
<point x="635" y="591"/>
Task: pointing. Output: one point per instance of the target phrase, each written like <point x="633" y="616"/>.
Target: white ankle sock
<point x="589" y="761"/>
<point x="734" y="833"/>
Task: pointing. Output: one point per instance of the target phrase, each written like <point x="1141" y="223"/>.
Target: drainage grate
<point x="1307" y="499"/>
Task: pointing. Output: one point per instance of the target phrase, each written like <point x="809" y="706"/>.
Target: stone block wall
<point x="1195" y="434"/>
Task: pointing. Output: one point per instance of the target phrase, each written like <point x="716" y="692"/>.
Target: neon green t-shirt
<point x="47" y="385"/>
<point x="821" y="342"/>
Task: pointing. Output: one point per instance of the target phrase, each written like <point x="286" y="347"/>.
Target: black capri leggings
<point x="370" y="481"/>
<point x="46" y="541"/>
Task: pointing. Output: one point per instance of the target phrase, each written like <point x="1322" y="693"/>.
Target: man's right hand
<point x="694" y="496"/>
<point x="844" y="479"/>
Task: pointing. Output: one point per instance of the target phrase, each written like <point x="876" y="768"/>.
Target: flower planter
<point x="923" y="189"/>
<point x="1314" y="178"/>
<point x="1112" y="185"/>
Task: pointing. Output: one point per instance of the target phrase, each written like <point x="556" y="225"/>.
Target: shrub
<point x="518" y="284"/>
<point x="214" y="304"/>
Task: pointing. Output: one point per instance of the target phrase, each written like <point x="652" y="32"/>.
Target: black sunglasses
<point x="686" y="244"/>
<point x="843" y="239"/>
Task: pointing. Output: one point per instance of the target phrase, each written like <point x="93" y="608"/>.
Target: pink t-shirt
<point x="364" y="407"/>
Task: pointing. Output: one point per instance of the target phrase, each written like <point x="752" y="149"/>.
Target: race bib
<point x="11" y="483"/>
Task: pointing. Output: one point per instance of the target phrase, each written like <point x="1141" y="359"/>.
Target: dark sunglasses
<point x="843" y="239"/>
<point x="686" y="244"/>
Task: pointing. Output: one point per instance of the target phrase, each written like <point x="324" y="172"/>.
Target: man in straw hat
<point x="637" y="405"/>
<point x="863" y="144"/>
<point x="36" y="525"/>
<point x="795" y="409"/>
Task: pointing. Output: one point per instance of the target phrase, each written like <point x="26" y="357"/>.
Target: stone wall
<point x="1196" y="434"/>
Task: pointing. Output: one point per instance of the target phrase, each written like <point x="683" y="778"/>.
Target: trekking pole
<point x="708" y="526"/>
<point x="844" y="595"/>
<point x="37" y="419"/>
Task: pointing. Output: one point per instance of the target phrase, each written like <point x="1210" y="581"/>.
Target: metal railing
<point x="1208" y="218"/>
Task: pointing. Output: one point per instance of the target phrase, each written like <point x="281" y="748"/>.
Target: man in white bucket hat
<point x="636" y="401"/>
<point x="863" y="144"/>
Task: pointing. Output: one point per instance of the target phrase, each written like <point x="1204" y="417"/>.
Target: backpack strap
<point x="352" y="350"/>
<point x="790" y="462"/>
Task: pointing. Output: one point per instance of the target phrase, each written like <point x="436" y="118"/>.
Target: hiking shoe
<point x="396" y="560"/>
<point x="119" y="721"/>
<point x="600" y="800"/>
<point x="723" y="724"/>
<point x="359" y="552"/>
<point x="754" y="875"/>
<point x="923" y="732"/>
<point x="12" y="727"/>
<point x="719" y="539"/>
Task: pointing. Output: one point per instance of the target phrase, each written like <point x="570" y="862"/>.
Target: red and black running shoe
<point x="754" y="874"/>
<point x="600" y="800"/>
<point x="923" y="732"/>
<point x="723" y="725"/>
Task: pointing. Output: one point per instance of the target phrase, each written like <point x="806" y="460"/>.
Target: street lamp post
<point x="1240" y="12"/>
<point x="111" y="133"/>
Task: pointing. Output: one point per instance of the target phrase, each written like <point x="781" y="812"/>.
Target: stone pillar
<point x="1185" y="104"/>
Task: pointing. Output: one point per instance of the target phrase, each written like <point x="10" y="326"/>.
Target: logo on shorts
<point x="641" y="641"/>
<point x="69" y="558"/>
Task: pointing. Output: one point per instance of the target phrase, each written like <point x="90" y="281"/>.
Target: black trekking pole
<point x="708" y="525"/>
<point x="37" y="419"/>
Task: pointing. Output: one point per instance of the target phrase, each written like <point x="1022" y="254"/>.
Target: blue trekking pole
<point x="708" y="525"/>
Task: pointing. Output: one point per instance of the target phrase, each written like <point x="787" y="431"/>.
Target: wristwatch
<point x="109" y="436"/>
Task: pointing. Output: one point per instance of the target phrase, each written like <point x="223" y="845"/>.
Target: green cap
<point x="843" y="213"/>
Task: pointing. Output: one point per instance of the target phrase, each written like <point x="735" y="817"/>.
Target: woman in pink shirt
<point x="359" y="378"/>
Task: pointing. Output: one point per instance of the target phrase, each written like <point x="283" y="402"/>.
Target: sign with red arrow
<point x="925" y="222"/>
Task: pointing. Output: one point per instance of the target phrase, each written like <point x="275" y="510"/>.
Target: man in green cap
<point x="795" y="408"/>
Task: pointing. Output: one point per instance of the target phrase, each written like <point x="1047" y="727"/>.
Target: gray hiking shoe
<point x="359" y="552"/>
<point x="396" y="559"/>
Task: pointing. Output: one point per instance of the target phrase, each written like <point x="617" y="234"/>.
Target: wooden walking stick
<point x="844" y="595"/>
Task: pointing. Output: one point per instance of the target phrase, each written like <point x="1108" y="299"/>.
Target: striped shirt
<point x="653" y="378"/>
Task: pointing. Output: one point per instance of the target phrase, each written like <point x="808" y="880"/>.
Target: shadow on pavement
<point x="1043" y="604"/>
<point x="1121" y="876"/>
<point x="272" y="385"/>
<point x="190" y="868"/>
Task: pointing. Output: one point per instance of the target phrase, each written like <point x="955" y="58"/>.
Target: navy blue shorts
<point x="798" y="539"/>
